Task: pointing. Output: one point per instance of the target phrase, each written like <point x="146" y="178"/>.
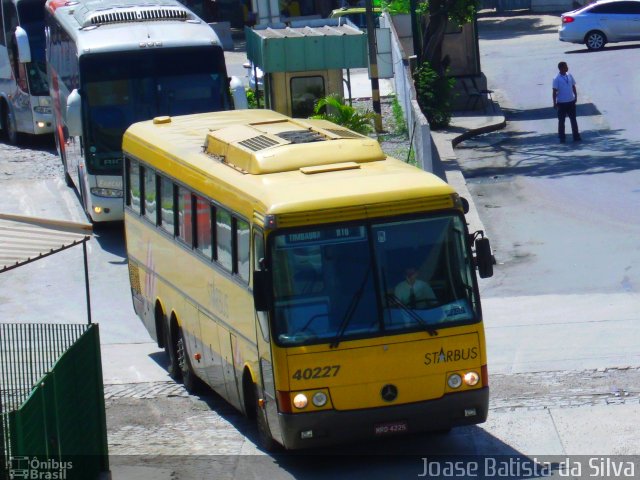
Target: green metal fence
<point x="51" y="402"/>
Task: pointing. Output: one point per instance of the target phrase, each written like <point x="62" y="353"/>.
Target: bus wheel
<point x="9" y="125"/>
<point x="67" y="178"/>
<point x="265" y="440"/>
<point x="82" y="196"/>
<point x="170" y="349"/>
<point x="189" y="379"/>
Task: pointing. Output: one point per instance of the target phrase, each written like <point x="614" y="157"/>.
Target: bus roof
<point x="107" y="26"/>
<point x="260" y="160"/>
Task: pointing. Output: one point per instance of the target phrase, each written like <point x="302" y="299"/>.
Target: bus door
<point x="267" y="388"/>
<point x="210" y="333"/>
<point x="72" y="132"/>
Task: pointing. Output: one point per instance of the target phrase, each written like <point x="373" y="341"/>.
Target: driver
<point x="413" y="292"/>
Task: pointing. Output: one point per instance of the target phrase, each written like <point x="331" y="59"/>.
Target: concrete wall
<point x="417" y="124"/>
<point x="542" y="6"/>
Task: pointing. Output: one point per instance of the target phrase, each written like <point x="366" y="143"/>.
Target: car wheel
<point x="595" y="40"/>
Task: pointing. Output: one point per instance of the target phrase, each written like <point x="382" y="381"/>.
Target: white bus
<point x="112" y="64"/>
<point x="25" y="105"/>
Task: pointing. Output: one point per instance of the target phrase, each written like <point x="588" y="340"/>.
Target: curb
<point x="444" y="141"/>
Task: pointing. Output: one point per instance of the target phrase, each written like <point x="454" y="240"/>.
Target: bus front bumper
<point x="331" y="427"/>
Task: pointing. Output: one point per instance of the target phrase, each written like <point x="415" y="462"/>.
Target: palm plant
<point x="333" y="108"/>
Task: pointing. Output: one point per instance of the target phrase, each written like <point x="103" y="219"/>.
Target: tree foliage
<point x="434" y="94"/>
<point x="434" y="26"/>
<point x="433" y="17"/>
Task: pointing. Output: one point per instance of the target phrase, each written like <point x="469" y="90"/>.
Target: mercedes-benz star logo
<point x="389" y="393"/>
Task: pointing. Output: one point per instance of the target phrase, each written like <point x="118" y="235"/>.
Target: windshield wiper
<point x="432" y="331"/>
<point x="351" y="309"/>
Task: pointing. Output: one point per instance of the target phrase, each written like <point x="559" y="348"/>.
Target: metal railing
<point x="51" y="399"/>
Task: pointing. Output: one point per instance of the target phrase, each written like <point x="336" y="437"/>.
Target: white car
<point x="602" y="22"/>
<point x="253" y="75"/>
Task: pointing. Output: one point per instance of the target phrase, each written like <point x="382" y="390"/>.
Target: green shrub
<point x="251" y="98"/>
<point x="434" y="95"/>
<point x="398" y="117"/>
<point x="333" y="108"/>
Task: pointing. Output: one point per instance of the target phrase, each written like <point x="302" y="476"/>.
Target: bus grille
<point x="138" y="15"/>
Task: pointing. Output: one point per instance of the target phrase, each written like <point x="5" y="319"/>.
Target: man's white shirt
<point x="564" y="86"/>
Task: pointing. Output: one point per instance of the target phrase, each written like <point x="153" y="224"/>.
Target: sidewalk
<point x="464" y="125"/>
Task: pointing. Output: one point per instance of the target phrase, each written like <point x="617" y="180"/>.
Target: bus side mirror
<point x="74" y="114"/>
<point x="484" y="257"/>
<point x="238" y="93"/>
<point x="261" y="291"/>
<point x="22" y="42"/>
<point x="465" y="205"/>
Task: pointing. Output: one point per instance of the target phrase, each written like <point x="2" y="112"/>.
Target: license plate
<point x="391" y="428"/>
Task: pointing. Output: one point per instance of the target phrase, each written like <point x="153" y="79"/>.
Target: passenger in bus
<point x="413" y="292"/>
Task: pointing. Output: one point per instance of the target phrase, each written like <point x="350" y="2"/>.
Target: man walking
<point x="564" y="100"/>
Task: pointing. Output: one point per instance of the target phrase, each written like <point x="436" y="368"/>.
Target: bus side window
<point x="258" y="249"/>
<point x="224" y="240"/>
<point x="203" y="227"/>
<point x="258" y="255"/>
<point x="133" y="182"/>
<point x="242" y="245"/>
<point x="166" y="218"/>
<point x="185" y="216"/>
<point x="150" y="195"/>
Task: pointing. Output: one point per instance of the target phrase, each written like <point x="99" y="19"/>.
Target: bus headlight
<point x="106" y="192"/>
<point x="300" y="401"/>
<point x="471" y="378"/>
<point x="319" y="399"/>
<point x="454" y="380"/>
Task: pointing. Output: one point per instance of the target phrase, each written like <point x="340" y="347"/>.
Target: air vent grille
<point x="341" y="132"/>
<point x="138" y="15"/>
<point x="258" y="143"/>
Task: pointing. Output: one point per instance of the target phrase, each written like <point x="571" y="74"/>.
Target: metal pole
<point x="86" y="280"/>
<point x="415" y="30"/>
<point x="373" y="67"/>
<point x="4" y="471"/>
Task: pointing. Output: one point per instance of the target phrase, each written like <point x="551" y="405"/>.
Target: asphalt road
<point x="563" y="218"/>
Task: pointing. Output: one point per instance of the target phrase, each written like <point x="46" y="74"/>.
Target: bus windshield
<point x="121" y="88"/>
<point x="354" y="281"/>
<point x="31" y="13"/>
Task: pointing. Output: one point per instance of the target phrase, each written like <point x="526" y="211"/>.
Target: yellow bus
<point x="318" y="285"/>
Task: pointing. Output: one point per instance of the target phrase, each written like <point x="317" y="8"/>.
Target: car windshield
<point x="31" y="15"/>
<point x="122" y="88"/>
<point x="335" y="283"/>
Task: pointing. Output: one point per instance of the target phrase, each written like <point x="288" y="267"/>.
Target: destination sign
<point x="327" y="235"/>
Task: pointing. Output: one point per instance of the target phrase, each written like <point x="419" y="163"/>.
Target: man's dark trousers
<point x="567" y="109"/>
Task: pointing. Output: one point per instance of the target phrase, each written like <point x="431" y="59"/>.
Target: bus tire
<point x="265" y="440"/>
<point x="67" y="178"/>
<point x="443" y="431"/>
<point x="9" y="126"/>
<point x="170" y="349"/>
<point x="82" y="193"/>
<point x="189" y="379"/>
